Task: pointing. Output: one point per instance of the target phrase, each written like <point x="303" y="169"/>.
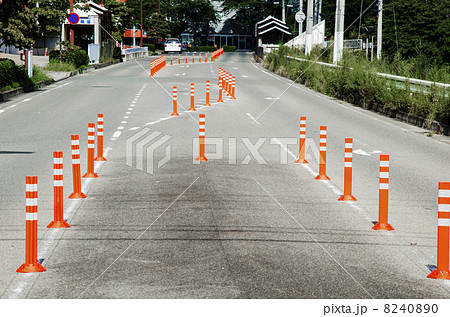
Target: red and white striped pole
<point x="220" y="75"/>
<point x="31" y="264"/>
<point x="220" y="92"/>
<point x="192" y="108"/>
<point x="201" y="137"/>
<point x="227" y="83"/>
<point x="100" y="157"/>
<point x="58" y="209"/>
<point x="91" y="149"/>
<point x="302" y="143"/>
<point x="76" y="170"/>
<point x="323" y="154"/>
<point x="175" y="102"/>
<point x="233" y="87"/>
<point x="443" y="244"/>
<point x="207" y="94"/>
<point x="383" y="194"/>
<point x="348" y="162"/>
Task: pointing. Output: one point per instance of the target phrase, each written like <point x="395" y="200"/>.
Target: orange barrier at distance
<point x="348" y="162"/>
<point x="175" y="98"/>
<point x="323" y="155"/>
<point x="171" y="59"/>
<point x="156" y="65"/>
<point x="383" y="194"/>
<point x="76" y="170"/>
<point x="200" y="57"/>
<point x="206" y="57"/>
<point x="186" y="58"/>
<point x="58" y="209"/>
<point x="100" y="157"/>
<point x="201" y="139"/>
<point x="193" y="57"/>
<point x="302" y="143"/>
<point x="31" y="264"/>
<point x="179" y="58"/>
<point x="207" y="94"/>
<point x="91" y="152"/>
<point x="443" y="236"/>
<point x="192" y="108"/>
<point x="216" y="54"/>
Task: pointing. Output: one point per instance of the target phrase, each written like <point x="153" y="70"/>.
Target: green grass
<point x="60" y="67"/>
<point x="39" y="75"/>
<point x="357" y="83"/>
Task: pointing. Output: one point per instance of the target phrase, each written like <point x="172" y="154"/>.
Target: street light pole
<point x="309" y="25"/>
<point x="339" y="31"/>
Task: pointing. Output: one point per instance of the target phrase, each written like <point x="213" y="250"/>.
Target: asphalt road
<point x="245" y="224"/>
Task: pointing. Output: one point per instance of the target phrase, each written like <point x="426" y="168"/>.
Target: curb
<point x="6" y="95"/>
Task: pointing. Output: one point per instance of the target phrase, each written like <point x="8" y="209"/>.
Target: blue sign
<point x="73" y="18"/>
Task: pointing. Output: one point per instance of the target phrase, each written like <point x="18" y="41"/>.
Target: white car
<point x="172" y="45"/>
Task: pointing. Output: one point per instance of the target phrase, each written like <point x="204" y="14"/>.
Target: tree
<point x="158" y="27"/>
<point x="16" y="23"/>
<point x="121" y="16"/>
<point x="49" y="14"/>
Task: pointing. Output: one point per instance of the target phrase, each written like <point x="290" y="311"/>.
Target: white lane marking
<point x="12" y="106"/>
<point x="116" y="134"/>
<point x="253" y="118"/>
<point x="272" y="98"/>
<point x="120" y="128"/>
<point x="127" y="112"/>
<point x="126" y="117"/>
<point x="28" y="99"/>
<point x="130" y="108"/>
<point x="375" y="152"/>
<point x="361" y="152"/>
<point x="244" y="76"/>
<point x="123" y="122"/>
<point x="2" y="111"/>
<point x="134" y="128"/>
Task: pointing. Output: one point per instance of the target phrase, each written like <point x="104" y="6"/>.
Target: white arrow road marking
<point x="361" y="152"/>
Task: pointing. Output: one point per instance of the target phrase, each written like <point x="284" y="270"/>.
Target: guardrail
<point x="133" y="53"/>
<point x="414" y="81"/>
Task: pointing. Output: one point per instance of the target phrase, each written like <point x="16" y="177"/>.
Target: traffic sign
<point x="73" y="18"/>
<point x="300" y="16"/>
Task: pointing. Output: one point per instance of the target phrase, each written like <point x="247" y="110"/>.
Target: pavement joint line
<point x="416" y="257"/>
<point x="253" y="118"/>
<point x="316" y="241"/>
<point x="137" y="238"/>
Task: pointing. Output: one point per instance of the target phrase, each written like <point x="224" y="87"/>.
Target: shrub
<point x="202" y="49"/>
<point x="71" y="54"/>
<point x="11" y="75"/>
<point x="229" y="48"/>
<point x="151" y="47"/>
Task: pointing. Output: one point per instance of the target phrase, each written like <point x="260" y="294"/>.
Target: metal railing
<point x="133" y="53"/>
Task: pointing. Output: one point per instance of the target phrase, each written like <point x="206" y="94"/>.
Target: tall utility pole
<point x="309" y="25"/>
<point x="338" y="31"/>
<point x="300" y="24"/>
<point x="142" y="27"/>
<point x="379" y="28"/>
<point x="319" y="12"/>
<point x="283" y="11"/>
<point x="72" y="31"/>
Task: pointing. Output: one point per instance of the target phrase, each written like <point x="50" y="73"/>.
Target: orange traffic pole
<point x="206" y="57"/>
<point x="171" y="59"/>
<point x="220" y="76"/>
<point x="179" y="58"/>
<point x="443" y="271"/>
<point x="76" y="170"/>
<point x="201" y="133"/>
<point x="220" y="93"/>
<point x="186" y="58"/>
<point x="58" y="209"/>
<point x="193" y="57"/>
<point x="348" y="162"/>
<point x="200" y="57"/>
<point x="383" y="194"/>
<point x="91" y="152"/>
<point x="207" y="93"/>
<point x="31" y="264"/>
<point x="233" y="87"/>
<point x="175" y="97"/>
<point x="192" y="108"/>
<point x="302" y="143"/>
<point x="100" y="157"/>
<point x="323" y="155"/>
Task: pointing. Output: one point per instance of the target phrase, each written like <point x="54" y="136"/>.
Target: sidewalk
<point x="37" y="60"/>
